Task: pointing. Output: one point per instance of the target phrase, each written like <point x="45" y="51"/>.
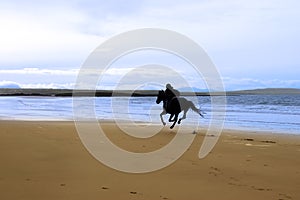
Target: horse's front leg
<point x="183" y="117"/>
<point x="161" y="118"/>
<point x="175" y="120"/>
<point x="170" y="118"/>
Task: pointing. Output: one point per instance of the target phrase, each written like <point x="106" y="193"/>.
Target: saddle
<point x="168" y="102"/>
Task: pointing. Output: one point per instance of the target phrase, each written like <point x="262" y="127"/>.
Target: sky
<point x="253" y="44"/>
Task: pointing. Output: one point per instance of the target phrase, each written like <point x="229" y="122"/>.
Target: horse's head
<point x="160" y="96"/>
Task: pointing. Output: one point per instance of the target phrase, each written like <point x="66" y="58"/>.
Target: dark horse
<point x="174" y="107"/>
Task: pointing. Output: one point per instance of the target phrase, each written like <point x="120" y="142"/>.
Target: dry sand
<point x="46" y="160"/>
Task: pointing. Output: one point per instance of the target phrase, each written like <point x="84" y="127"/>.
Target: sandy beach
<point x="46" y="160"/>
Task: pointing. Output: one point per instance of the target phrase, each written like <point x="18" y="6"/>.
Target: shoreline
<point x="227" y="129"/>
<point x="259" y="116"/>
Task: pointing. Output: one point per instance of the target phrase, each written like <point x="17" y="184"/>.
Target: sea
<point x="271" y="113"/>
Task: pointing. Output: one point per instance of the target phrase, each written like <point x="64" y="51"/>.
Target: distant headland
<point x="109" y="93"/>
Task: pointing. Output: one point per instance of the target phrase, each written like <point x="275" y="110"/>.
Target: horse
<point x="175" y="106"/>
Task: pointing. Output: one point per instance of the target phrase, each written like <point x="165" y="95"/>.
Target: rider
<point x="171" y="93"/>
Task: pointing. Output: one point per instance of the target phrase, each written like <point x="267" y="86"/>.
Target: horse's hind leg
<point x="175" y="120"/>
<point x="161" y="118"/>
<point x="183" y="117"/>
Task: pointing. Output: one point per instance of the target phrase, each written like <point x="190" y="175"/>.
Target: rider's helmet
<point x="169" y="86"/>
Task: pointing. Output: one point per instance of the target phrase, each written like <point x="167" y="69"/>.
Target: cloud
<point x="38" y="38"/>
<point x="49" y="85"/>
<point x="38" y="71"/>
<point x="218" y="24"/>
<point x="15" y="85"/>
<point x="151" y="82"/>
<point x="250" y="83"/>
<point x="43" y="78"/>
<point x="256" y="40"/>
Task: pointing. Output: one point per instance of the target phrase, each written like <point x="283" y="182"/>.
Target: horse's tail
<point x="195" y="109"/>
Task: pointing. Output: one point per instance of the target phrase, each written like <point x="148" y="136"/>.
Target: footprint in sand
<point x="135" y="193"/>
<point x="248" y="139"/>
<point x="284" y="196"/>
<point x="268" y="141"/>
<point x="236" y="182"/>
<point x="163" y="197"/>
<point x="260" y="188"/>
<point x="215" y="171"/>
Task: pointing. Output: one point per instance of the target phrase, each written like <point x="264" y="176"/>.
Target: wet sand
<point x="46" y="160"/>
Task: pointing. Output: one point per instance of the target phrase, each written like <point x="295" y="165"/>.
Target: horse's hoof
<point x="164" y="123"/>
<point x="179" y="122"/>
<point x="171" y="127"/>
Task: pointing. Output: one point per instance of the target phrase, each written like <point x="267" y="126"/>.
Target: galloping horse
<point x="174" y="107"/>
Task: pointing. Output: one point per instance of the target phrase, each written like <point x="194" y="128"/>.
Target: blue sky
<point x="254" y="44"/>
